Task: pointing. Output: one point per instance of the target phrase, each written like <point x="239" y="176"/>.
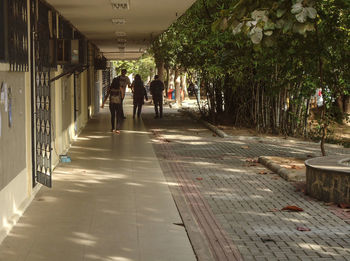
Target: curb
<point x="213" y="128"/>
<point x="222" y="134"/>
<point x="283" y="172"/>
<point x="210" y="126"/>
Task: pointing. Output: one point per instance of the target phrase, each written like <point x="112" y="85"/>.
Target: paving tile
<point x="241" y="200"/>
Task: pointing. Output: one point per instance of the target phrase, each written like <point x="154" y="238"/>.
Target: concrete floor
<point x="111" y="203"/>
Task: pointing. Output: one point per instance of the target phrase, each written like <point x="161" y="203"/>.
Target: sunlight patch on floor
<point x="136" y="132"/>
<point x="82" y="138"/>
<point x="134" y="184"/>
<point x="232" y="170"/>
<point x="295" y="220"/>
<point x="115" y="258"/>
<point x="181" y="137"/>
<point x="172" y="184"/>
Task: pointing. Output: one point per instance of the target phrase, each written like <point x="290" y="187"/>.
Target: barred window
<point x="3" y="37"/>
<point x="17" y="34"/>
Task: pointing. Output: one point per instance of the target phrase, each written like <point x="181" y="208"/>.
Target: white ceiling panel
<point x="144" y="20"/>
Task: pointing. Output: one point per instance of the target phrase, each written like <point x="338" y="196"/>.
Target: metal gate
<point x="43" y="128"/>
<point x="41" y="94"/>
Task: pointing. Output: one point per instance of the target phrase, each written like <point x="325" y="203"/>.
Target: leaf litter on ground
<point x="344" y="205"/>
<point x="303" y="229"/>
<point x="265" y="240"/>
<point x="292" y="209"/>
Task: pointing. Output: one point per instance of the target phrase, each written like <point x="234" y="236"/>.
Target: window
<point x="3" y="38"/>
<point x="16" y="11"/>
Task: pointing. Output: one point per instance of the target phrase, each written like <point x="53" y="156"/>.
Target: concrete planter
<point x="328" y="178"/>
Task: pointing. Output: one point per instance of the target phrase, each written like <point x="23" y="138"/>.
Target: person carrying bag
<point x="115" y="92"/>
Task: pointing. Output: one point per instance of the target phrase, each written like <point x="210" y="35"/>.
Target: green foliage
<point x="267" y="57"/>
<point x="144" y="66"/>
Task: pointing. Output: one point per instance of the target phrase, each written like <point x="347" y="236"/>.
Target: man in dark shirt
<point x="156" y="89"/>
<point x="124" y="83"/>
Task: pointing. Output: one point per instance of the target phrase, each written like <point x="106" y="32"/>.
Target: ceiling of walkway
<point x="122" y="29"/>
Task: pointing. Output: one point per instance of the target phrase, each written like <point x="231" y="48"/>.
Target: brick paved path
<point x="234" y="206"/>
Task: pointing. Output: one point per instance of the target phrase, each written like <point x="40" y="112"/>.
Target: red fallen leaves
<point x="344" y="205"/>
<point x="287" y="208"/>
<point x="199" y="178"/>
<point x="303" y="229"/>
<point x="262" y="172"/>
<point x="252" y="161"/>
<point x="292" y="209"/>
<point x="155" y="133"/>
<point x="300" y="187"/>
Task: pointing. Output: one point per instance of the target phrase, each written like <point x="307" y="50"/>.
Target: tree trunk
<point x="323" y="116"/>
<point x="160" y="70"/>
<point x="218" y="97"/>
<point x="184" y="84"/>
<point x="257" y="107"/>
<point x="323" y="139"/>
<point x="307" y="110"/>
<point x="227" y="96"/>
<point x="347" y="104"/>
<point x="171" y="83"/>
<point x="166" y="83"/>
<point x="346" y="108"/>
<point x="177" y="79"/>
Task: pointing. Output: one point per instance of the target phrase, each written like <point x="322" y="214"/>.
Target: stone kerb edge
<point x="281" y="171"/>
<point x="210" y="126"/>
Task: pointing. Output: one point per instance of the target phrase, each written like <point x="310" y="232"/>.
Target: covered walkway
<point x="111" y="202"/>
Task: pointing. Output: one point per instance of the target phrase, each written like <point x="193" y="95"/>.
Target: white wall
<point x="16" y="192"/>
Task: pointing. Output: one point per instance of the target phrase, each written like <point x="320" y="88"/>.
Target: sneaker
<point x="116" y="131"/>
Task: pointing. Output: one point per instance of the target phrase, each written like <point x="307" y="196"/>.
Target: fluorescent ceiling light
<point x="120" y="34"/>
<point x="121" y="41"/>
<point x="118" y="21"/>
<point x="120" y="4"/>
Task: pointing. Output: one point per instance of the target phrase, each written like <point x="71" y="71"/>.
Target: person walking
<point x="140" y="94"/>
<point x="116" y="94"/>
<point x="124" y="82"/>
<point x="156" y="89"/>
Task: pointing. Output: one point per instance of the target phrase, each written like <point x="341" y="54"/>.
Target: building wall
<point x="83" y="115"/>
<point x="64" y="127"/>
<point x="16" y="190"/>
<point x="16" y="174"/>
<point x="15" y="167"/>
<point x="98" y="90"/>
<point x="12" y="138"/>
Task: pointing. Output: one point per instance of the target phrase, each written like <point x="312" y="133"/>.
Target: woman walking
<point x="116" y="94"/>
<point x="139" y="95"/>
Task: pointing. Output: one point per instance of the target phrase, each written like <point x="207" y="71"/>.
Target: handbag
<point x="116" y="96"/>
<point x="116" y="99"/>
